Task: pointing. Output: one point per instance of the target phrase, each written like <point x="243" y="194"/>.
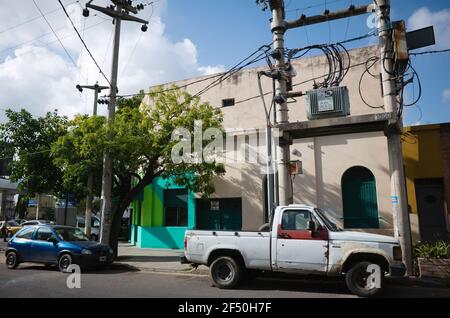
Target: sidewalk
<point x="156" y="260"/>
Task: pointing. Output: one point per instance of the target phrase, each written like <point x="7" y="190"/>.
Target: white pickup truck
<point x="302" y="240"/>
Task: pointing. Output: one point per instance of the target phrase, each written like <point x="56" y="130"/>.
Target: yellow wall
<point x="422" y="156"/>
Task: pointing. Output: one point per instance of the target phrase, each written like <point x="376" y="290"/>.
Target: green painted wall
<point x="151" y="232"/>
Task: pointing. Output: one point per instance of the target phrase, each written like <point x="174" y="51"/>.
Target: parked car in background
<point x="56" y="245"/>
<point x="20" y="221"/>
<point x="95" y="226"/>
<point x="12" y="227"/>
<point x="35" y="222"/>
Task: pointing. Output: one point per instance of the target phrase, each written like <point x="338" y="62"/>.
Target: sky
<point x="186" y="39"/>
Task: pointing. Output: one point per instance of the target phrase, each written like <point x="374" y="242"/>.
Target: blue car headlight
<point x="86" y="252"/>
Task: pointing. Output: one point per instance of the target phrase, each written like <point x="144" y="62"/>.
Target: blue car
<point x="56" y="245"/>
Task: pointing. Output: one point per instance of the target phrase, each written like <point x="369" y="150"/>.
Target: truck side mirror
<point x="312" y="226"/>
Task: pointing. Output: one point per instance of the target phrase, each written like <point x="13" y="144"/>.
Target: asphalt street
<point x="118" y="281"/>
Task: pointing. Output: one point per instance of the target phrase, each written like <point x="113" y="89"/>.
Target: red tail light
<point x="185" y="242"/>
<point x="398" y="255"/>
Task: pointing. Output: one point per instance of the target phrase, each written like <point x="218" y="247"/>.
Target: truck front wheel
<point x="363" y="281"/>
<point x="226" y="272"/>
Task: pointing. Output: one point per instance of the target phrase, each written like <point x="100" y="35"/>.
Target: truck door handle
<point x="284" y="236"/>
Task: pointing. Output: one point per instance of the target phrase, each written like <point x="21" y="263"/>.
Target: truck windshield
<point x="330" y="225"/>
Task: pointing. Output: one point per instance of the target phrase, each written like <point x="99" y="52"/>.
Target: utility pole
<point x="90" y="184"/>
<point x="279" y="27"/>
<point x="402" y="228"/>
<point x="278" y="30"/>
<point x="119" y="11"/>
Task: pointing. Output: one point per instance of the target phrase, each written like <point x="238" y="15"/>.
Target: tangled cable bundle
<point x="337" y="57"/>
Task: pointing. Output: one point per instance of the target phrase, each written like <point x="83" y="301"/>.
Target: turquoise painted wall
<point x="151" y="232"/>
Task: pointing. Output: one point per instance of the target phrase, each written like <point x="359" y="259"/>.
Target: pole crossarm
<point x="329" y="16"/>
<point x="116" y="14"/>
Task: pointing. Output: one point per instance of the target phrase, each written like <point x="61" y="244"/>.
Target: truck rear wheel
<point x="357" y="280"/>
<point x="226" y="272"/>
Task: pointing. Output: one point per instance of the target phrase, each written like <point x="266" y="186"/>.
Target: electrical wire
<point x="238" y="67"/>
<point x="35" y="18"/>
<point x="138" y="39"/>
<point x="54" y="32"/>
<point x="430" y="52"/>
<point x="85" y="45"/>
<point x="372" y="60"/>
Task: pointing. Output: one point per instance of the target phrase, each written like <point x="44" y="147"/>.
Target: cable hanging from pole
<point x="84" y="44"/>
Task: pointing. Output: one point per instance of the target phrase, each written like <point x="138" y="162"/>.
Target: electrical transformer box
<point x="328" y="102"/>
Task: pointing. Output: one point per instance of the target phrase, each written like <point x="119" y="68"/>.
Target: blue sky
<point x="186" y="38"/>
<point x="226" y="31"/>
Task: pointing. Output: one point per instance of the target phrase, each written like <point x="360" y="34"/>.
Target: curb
<point x="420" y="282"/>
<point x="192" y="272"/>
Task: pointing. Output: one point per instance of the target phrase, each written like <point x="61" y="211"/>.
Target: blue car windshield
<point x="71" y="235"/>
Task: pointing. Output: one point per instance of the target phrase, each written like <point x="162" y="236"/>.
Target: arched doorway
<point x="359" y="195"/>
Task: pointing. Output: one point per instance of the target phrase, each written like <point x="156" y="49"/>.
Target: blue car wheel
<point x="12" y="260"/>
<point x="64" y="262"/>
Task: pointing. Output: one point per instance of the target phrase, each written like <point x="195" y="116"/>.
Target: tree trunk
<point x="118" y="212"/>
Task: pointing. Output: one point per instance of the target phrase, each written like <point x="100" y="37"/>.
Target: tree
<point x="141" y="147"/>
<point x="27" y="141"/>
<point x="263" y="3"/>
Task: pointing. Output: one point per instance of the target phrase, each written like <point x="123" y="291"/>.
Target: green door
<point x="360" y="202"/>
<point x="219" y="214"/>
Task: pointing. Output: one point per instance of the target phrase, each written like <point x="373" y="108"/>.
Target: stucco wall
<point x="325" y="159"/>
<point x="243" y="87"/>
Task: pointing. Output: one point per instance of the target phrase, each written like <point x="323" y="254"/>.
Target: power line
<point x="430" y="52"/>
<point x="34" y="19"/>
<point x="84" y="43"/>
<point x="220" y="77"/>
<point x="139" y="37"/>
<point x="48" y="33"/>
<point x="56" y="35"/>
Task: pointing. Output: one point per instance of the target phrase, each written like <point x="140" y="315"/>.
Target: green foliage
<point x="438" y="250"/>
<point x="27" y="142"/>
<point x="140" y="145"/>
<point x="79" y="153"/>
<point x="263" y="3"/>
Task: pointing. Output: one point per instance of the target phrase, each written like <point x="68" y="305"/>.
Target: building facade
<point x="345" y="164"/>
<point x="426" y="153"/>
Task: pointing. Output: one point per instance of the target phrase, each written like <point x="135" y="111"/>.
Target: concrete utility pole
<point x="90" y="185"/>
<point x="278" y="29"/>
<point x="118" y="12"/>
<point x="399" y="199"/>
<point x="402" y="226"/>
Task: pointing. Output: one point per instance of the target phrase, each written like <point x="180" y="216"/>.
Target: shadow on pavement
<point x="107" y="270"/>
<point x="143" y="259"/>
<point x="312" y="285"/>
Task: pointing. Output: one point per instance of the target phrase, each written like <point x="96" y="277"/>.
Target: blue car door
<point x="22" y="243"/>
<point x="43" y="250"/>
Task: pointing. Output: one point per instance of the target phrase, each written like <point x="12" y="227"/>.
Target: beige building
<point x="333" y="165"/>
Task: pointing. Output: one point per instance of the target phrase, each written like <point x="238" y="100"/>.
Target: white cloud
<point x="446" y="95"/>
<point x="423" y="17"/>
<point x="40" y="77"/>
<point x="209" y="70"/>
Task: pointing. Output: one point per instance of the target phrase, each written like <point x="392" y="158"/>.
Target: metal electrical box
<point x="328" y="102"/>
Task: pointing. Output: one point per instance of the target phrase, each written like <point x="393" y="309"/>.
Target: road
<point x="40" y="282"/>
